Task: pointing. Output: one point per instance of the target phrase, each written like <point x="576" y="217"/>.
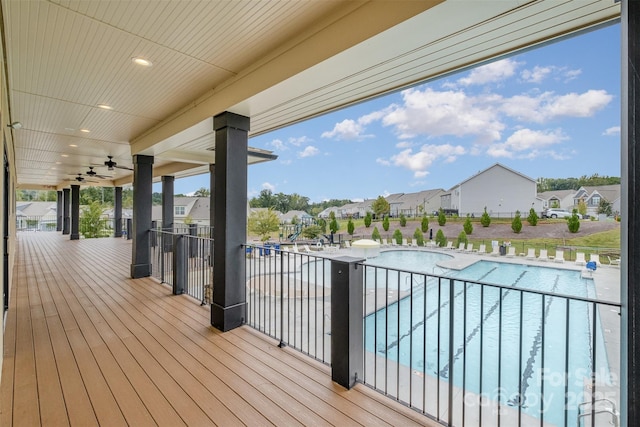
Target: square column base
<point x="74" y="236"/>
<point x="140" y="270"/>
<point x="227" y="318"/>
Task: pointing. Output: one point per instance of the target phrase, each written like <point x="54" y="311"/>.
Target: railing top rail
<point x="506" y="287"/>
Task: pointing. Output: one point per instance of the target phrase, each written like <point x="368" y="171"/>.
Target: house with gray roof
<point x="36" y="216"/>
<point x="592" y="195"/>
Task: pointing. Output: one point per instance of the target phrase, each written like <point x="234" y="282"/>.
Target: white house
<point x="502" y="190"/>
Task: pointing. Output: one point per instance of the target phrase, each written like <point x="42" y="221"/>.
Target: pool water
<point x="501" y="360"/>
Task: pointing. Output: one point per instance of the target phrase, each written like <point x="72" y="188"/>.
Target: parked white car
<point x="559" y="213"/>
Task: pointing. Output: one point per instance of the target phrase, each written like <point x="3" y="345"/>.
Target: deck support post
<point x="66" y="221"/>
<point x="179" y="264"/>
<point x="59" y="211"/>
<point x="117" y="211"/>
<point x="346" y="320"/>
<point x="142" y="190"/>
<point x="75" y="212"/>
<point x="167" y="209"/>
<point x="630" y="209"/>
<point x="229" y="199"/>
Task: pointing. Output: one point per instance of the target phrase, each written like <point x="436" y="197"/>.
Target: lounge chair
<point x="495" y="251"/>
<point x="295" y="248"/>
<point x="461" y="247"/>
<point x="595" y="258"/>
<point x="404" y="242"/>
<point x="307" y="249"/>
<point x="449" y="245"/>
<point x="531" y="253"/>
<point x="384" y="242"/>
<point x="511" y="252"/>
<point x="469" y="247"/>
<point x="414" y="242"/>
<point x="559" y="256"/>
<point x="543" y="255"/>
<point x="614" y="262"/>
<point x="482" y="250"/>
<point x="347" y="244"/>
<point x="580" y="260"/>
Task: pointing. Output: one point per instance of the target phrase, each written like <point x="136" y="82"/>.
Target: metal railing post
<point x="193" y="243"/>
<point x="129" y="228"/>
<point x="179" y="264"/>
<point x="346" y="321"/>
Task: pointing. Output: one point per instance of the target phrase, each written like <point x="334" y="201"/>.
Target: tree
<point x="311" y="232"/>
<point x="442" y="220"/>
<point x="322" y="223"/>
<point x="532" y="219"/>
<point x="419" y="237"/>
<point x="467" y="226"/>
<point x="582" y="207"/>
<point x="380" y="206"/>
<point x="424" y="225"/>
<point x="350" y="227"/>
<point x="334" y="226"/>
<point x="605" y="208"/>
<point x="516" y="224"/>
<point x="385" y="223"/>
<point x="485" y="220"/>
<point x="188" y="219"/>
<point x="397" y="236"/>
<point x="441" y="240"/>
<point x="462" y="238"/>
<point x="573" y="222"/>
<point x="403" y="220"/>
<point x="263" y="222"/>
<point x="295" y="220"/>
<point x="367" y="219"/>
<point x="202" y="192"/>
<point x="376" y="234"/>
<point x="91" y="222"/>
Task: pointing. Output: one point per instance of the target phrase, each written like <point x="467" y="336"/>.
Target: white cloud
<point x="346" y="130"/>
<point x="308" y="151"/>
<point x="549" y="106"/>
<point x="571" y="74"/>
<point x="299" y="141"/>
<point x="268" y="186"/>
<point x="612" y="131"/>
<point x="437" y="113"/>
<point x="286" y="162"/>
<point x="489" y="73"/>
<point x="537" y="75"/>
<point x="404" y="144"/>
<point x="526" y="143"/>
<point x="420" y="161"/>
<point x="277" y="144"/>
<point x="383" y="162"/>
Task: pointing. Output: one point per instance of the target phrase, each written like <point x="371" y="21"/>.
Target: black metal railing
<point x="36" y="223"/>
<point x="459" y="351"/>
<point x="287" y="298"/>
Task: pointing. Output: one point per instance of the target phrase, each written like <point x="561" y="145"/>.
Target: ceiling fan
<point x="94" y="174"/>
<point x="79" y="178"/>
<point x="110" y="164"/>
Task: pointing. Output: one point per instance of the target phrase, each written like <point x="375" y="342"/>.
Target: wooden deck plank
<point x="125" y="351"/>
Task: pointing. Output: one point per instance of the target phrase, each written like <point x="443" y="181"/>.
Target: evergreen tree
<point x="441" y="240"/>
<point x="462" y="238"/>
<point x="397" y="236"/>
<point x="424" y="225"/>
<point x="403" y="220"/>
<point x="385" y="223"/>
<point x="485" y="220"/>
<point x="350" y="227"/>
<point x="442" y="220"/>
<point x="367" y="219"/>
<point x="532" y="219"/>
<point x="573" y="222"/>
<point x="419" y="237"/>
<point x="516" y="224"/>
<point x="467" y="226"/>
<point x="376" y="234"/>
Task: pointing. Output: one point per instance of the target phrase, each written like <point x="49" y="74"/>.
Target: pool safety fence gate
<point x="460" y="352"/>
<point x="183" y="261"/>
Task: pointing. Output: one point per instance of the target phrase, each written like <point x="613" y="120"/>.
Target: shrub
<point x="573" y="222"/>
<point x="322" y="223"/>
<point x="376" y="234"/>
<point x="440" y="239"/>
<point x="442" y="220"/>
<point x="419" y="237"/>
<point x="397" y="236"/>
<point x="485" y="220"/>
<point x="403" y="220"/>
<point x="311" y="232"/>
<point x="516" y="224"/>
<point x="424" y="225"/>
<point x="350" y="227"/>
<point x="385" y="223"/>
<point x="367" y="219"/>
<point x="462" y="238"/>
<point x="334" y="226"/>
<point x="467" y="226"/>
<point x="532" y="219"/>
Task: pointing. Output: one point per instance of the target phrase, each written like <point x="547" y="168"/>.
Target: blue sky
<point x="549" y="112"/>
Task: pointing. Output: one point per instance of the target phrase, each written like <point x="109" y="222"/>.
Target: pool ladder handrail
<point x="609" y="410"/>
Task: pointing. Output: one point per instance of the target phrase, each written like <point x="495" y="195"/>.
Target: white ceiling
<point x="277" y="62"/>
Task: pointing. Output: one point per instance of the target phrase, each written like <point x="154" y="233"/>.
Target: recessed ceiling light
<point x="105" y="106"/>
<point x="141" y="61"/>
<point x="64" y="155"/>
<point x="72" y="145"/>
<point x="58" y="163"/>
<point x="85" y="130"/>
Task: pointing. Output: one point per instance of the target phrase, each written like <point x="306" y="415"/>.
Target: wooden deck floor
<point x="85" y="345"/>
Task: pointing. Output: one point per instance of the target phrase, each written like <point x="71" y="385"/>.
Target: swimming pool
<point x="508" y="345"/>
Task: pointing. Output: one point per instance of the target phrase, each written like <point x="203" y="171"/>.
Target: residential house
<point x="415" y="204"/>
<point x="592" y="195"/>
<point x="499" y="189"/>
<point x="41" y="216"/>
<point x="194" y="210"/>
<point x="302" y="217"/>
<point x="563" y="199"/>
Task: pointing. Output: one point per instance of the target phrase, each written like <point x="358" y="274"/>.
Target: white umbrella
<point x="366" y="248"/>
